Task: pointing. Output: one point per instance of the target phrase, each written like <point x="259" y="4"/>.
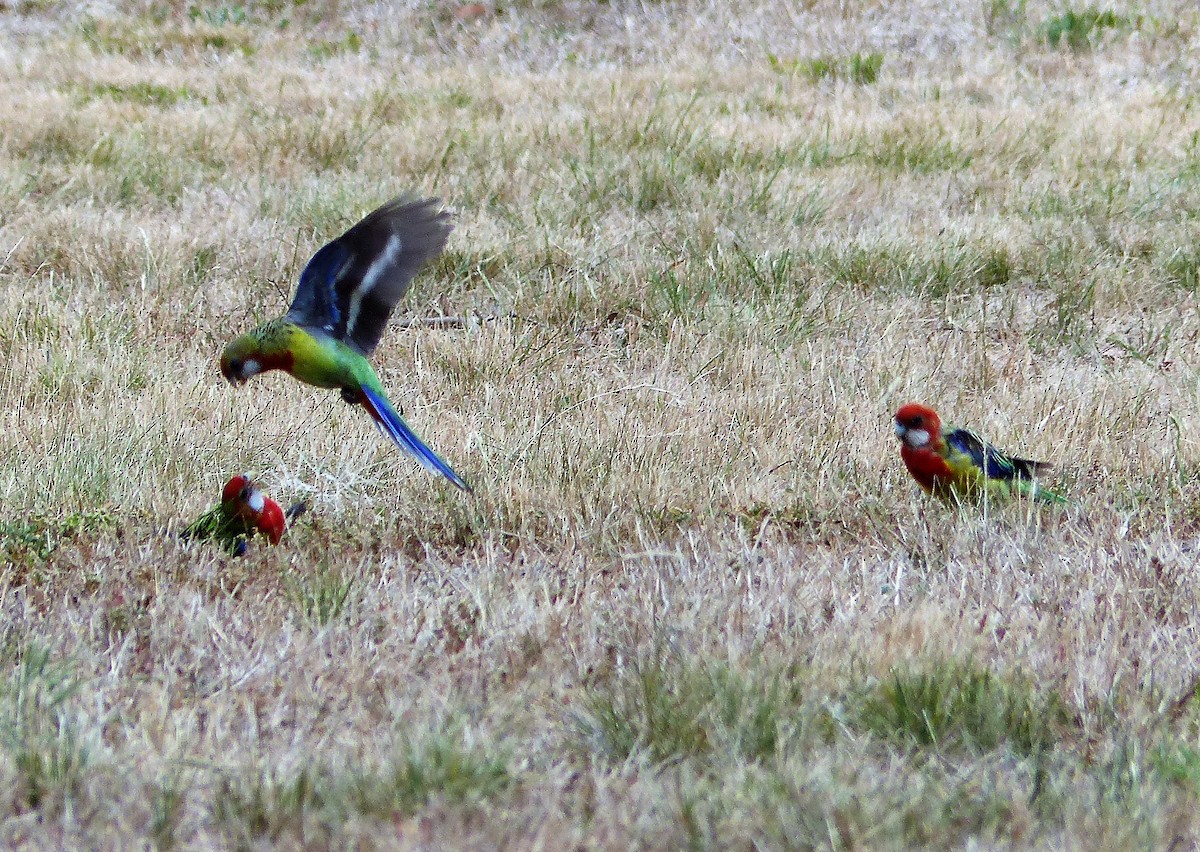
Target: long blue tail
<point x="394" y="426"/>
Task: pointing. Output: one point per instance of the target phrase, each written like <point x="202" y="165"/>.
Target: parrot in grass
<point x="957" y="465"/>
<point x="341" y="307"/>
<point x="244" y="511"/>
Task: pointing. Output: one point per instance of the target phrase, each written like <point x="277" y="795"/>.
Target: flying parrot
<point x="341" y="307"/>
<point x="244" y="511"/>
<point x="956" y="464"/>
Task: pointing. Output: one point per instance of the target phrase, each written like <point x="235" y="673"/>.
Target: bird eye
<point x="235" y="366"/>
<point x="916" y="421"/>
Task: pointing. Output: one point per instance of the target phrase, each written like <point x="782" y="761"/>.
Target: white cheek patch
<point x="256" y="501"/>
<point x="916" y="437"/>
<point x="250" y="368"/>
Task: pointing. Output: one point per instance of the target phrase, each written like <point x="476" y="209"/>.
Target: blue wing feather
<point x="994" y="463"/>
<point x="316" y="302"/>
<point x="395" y="427"/>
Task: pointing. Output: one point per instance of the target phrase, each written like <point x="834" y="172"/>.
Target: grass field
<point x="702" y="252"/>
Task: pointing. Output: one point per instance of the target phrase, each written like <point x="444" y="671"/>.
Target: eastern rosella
<point x="956" y="464"/>
<point x="341" y="307"/>
<point x="244" y="510"/>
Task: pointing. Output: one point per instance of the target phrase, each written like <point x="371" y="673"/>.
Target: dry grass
<point x="697" y="601"/>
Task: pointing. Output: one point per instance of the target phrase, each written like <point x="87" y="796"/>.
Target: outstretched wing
<point x="994" y="463"/>
<point x="350" y="286"/>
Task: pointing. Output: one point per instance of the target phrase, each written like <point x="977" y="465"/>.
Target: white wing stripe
<point x="375" y="272"/>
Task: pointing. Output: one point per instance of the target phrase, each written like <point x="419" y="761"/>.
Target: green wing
<point x="220" y="525"/>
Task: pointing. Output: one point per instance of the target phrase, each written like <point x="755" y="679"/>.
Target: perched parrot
<point x="244" y="510"/>
<point x="956" y="464"/>
<point x="341" y="307"/>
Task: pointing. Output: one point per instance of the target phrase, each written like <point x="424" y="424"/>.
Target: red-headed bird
<point x="341" y="307"/>
<point x="957" y="465"/>
<point x="244" y="511"/>
<point x="259" y="512"/>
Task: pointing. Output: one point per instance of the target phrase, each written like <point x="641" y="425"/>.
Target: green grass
<point x="321" y="595"/>
<point x="38" y="733"/>
<point x="310" y="803"/>
<point x="954" y="705"/>
<point x="143" y="92"/>
<point x="33" y="539"/>
<point x="150" y="38"/>
<point x="1182" y="269"/>
<point x="1006" y="18"/>
<point x="264" y="806"/>
<point x="668" y="709"/>
<point x="1080" y="30"/>
<point x="861" y="69"/>
<point x="933" y="271"/>
<point x="655" y="708"/>
<point x="351" y="42"/>
<point x="166" y="811"/>
<point x="439" y="766"/>
<point x="1076" y="30"/>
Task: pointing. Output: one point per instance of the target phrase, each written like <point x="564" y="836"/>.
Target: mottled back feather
<point x="995" y="463"/>
<point x="350" y="286"/>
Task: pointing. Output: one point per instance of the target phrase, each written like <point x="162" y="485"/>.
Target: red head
<point x="258" y="510"/>
<point x="233" y="488"/>
<point x="917" y="425"/>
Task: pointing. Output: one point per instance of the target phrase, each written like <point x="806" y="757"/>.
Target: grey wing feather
<point x="351" y="285"/>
